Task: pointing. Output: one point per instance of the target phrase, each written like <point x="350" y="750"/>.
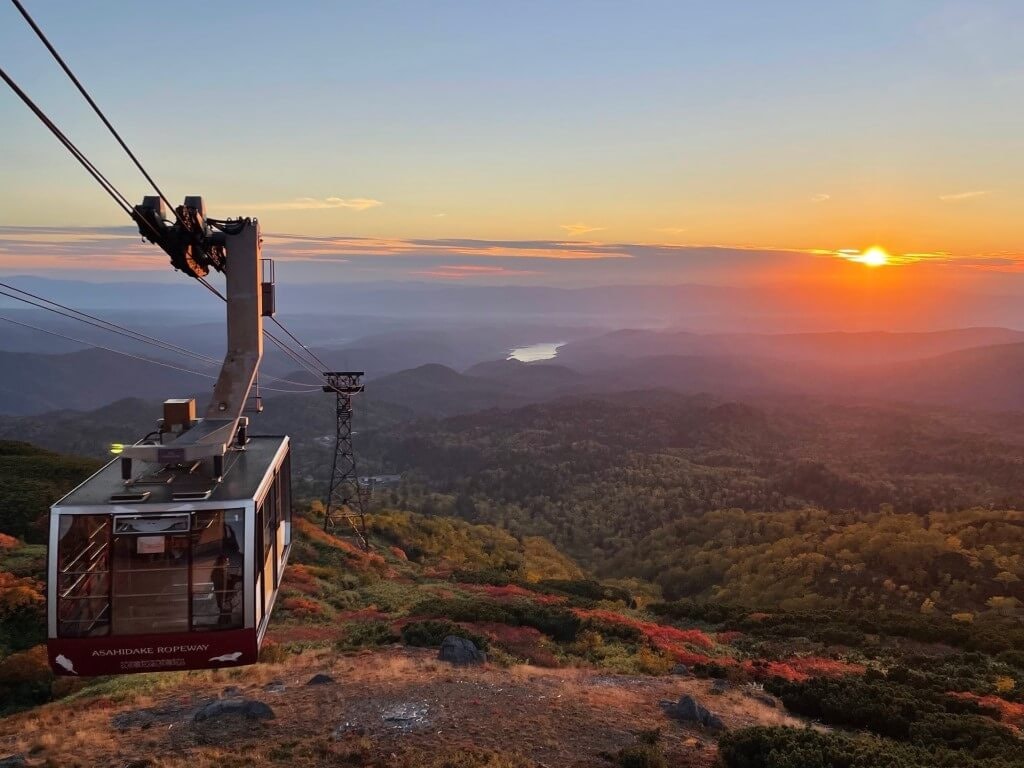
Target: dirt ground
<point x="382" y="709"/>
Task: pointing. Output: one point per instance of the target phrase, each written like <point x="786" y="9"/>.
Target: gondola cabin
<point x="172" y="570"/>
<point x="170" y="557"/>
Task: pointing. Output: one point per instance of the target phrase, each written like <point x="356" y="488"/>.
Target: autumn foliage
<point x="661" y="636"/>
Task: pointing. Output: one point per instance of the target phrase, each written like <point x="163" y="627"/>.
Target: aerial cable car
<point x="170" y="557"/>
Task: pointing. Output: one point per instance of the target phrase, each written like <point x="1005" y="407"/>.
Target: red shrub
<point x="523" y="642"/>
<point x="299" y="578"/>
<point x="509" y="591"/>
<point x="800" y="668"/>
<point x="1011" y="712"/>
<point x="29" y="666"/>
<point x="18" y="593"/>
<point x="363" y="614"/>
<point x="302" y="607"/>
<point x="314" y="532"/>
<point x="660" y="635"/>
<point x="8" y="542"/>
<point x="689" y="658"/>
<point x="727" y="638"/>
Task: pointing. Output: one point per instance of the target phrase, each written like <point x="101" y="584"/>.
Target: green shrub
<point x="431" y="633"/>
<point x="588" y="589"/>
<point x="791" y="748"/>
<point x="912" y="712"/>
<point x="614" y="629"/>
<point x="970" y="733"/>
<point x="646" y="753"/>
<point x="496" y="577"/>
<point x="360" y="634"/>
<point x="555" y="621"/>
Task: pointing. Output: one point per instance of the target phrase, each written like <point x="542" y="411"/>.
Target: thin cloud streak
<point x="310" y="246"/>
<point x="563" y="262"/>
<point x="312" y="204"/>
<point x="469" y="271"/>
<point x="958" y="196"/>
<point x="575" y="230"/>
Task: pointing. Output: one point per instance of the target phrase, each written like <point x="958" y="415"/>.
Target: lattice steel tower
<point x="344" y="500"/>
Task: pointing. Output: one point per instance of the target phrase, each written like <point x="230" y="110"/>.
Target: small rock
<point x="680" y="669"/>
<point x="275" y="686"/>
<point x="767" y="699"/>
<point x="320" y="679"/>
<point x="13" y="761"/>
<point x="719" y="686"/>
<point x="689" y="710"/>
<point x="142" y="762"/>
<point x="250" y="709"/>
<point x="460" y="651"/>
<point x="122" y="721"/>
<point x="231" y="691"/>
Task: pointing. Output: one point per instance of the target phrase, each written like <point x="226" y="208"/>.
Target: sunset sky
<point x="534" y="142"/>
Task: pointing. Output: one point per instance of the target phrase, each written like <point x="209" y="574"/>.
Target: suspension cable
<point x="307" y="350"/>
<point x="284" y="347"/>
<point x="121" y="200"/>
<point x="102" y="180"/>
<point x="59" y="309"/>
<point x="141" y="358"/>
<point x="108" y="349"/>
<point x="115" y="328"/>
<point x="88" y="98"/>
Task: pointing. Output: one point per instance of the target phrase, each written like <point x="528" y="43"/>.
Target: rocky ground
<point x="397" y="707"/>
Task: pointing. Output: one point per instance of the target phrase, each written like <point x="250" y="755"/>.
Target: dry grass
<point x="501" y="718"/>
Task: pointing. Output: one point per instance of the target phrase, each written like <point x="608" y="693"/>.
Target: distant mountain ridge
<point x="836" y="347"/>
<point x="940" y="368"/>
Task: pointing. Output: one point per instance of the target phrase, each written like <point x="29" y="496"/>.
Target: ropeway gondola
<point x="170" y="557"/>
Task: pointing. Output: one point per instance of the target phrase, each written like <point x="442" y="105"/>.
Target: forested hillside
<point x="32" y="479"/>
<point x="898" y="630"/>
<point x="817" y="504"/>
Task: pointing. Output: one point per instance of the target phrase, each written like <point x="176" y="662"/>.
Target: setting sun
<point x="873" y="257"/>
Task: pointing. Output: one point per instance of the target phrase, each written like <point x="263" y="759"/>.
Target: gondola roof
<point x="244" y="472"/>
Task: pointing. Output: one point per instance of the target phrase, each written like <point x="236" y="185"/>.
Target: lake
<point x="535" y="352"/>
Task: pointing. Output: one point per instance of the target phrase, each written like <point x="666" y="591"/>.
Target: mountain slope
<point x="848" y="349"/>
<point x="33" y="383"/>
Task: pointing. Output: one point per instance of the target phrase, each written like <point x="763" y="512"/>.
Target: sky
<point x="562" y="143"/>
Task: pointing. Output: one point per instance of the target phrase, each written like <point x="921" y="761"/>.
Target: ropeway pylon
<point x="344" y="499"/>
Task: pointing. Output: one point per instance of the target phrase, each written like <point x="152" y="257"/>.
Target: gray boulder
<point x="689" y="710"/>
<point x="460" y="651"/>
<point x="250" y="709"/>
<point x="14" y="761"/>
<point x="713" y="722"/>
<point x="320" y="679"/>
